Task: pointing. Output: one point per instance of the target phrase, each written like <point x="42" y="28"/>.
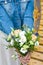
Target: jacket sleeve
<point x="5" y="22"/>
<point x="28" y="17"/>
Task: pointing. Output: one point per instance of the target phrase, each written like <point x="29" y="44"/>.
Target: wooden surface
<point x="37" y="56"/>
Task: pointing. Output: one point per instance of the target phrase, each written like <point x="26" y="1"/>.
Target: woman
<point x="13" y="14"/>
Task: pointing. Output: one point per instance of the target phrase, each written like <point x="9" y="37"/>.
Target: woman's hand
<point x="24" y="59"/>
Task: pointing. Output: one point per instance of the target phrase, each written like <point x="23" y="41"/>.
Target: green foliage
<point x="16" y="45"/>
<point x="28" y="45"/>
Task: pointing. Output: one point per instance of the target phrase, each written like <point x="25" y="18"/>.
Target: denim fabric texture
<point x="15" y="13"/>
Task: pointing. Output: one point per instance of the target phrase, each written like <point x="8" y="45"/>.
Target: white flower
<point x="23" y="50"/>
<point x="36" y="43"/>
<point x="22" y="39"/>
<point x="13" y="56"/>
<point x="22" y="33"/>
<point x="12" y="42"/>
<point x="16" y="32"/>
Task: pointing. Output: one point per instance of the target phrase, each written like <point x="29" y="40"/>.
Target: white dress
<point x="5" y="54"/>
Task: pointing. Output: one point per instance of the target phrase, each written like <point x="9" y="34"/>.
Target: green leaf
<point x="21" y="64"/>
<point x="31" y="42"/>
<point x="25" y="46"/>
<point x="31" y="48"/>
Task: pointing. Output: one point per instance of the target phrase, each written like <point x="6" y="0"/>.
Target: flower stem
<point x="21" y="64"/>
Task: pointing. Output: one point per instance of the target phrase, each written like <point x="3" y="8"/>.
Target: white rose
<point x="22" y="39"/>
<point x="23" y="50"/>
<point x="36" y="43"/>
<point x="16" y="32"/>
<point x="22" y="33"/>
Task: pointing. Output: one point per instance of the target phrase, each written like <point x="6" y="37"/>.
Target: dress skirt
<point x="6" y="54"/>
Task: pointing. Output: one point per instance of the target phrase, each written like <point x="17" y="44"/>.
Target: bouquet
<point x="23" y="41"/>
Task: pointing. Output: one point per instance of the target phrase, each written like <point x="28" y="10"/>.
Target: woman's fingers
<point x="25" y="59"/>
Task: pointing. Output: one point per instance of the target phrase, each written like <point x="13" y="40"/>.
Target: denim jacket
<point x="16" y="13"/>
